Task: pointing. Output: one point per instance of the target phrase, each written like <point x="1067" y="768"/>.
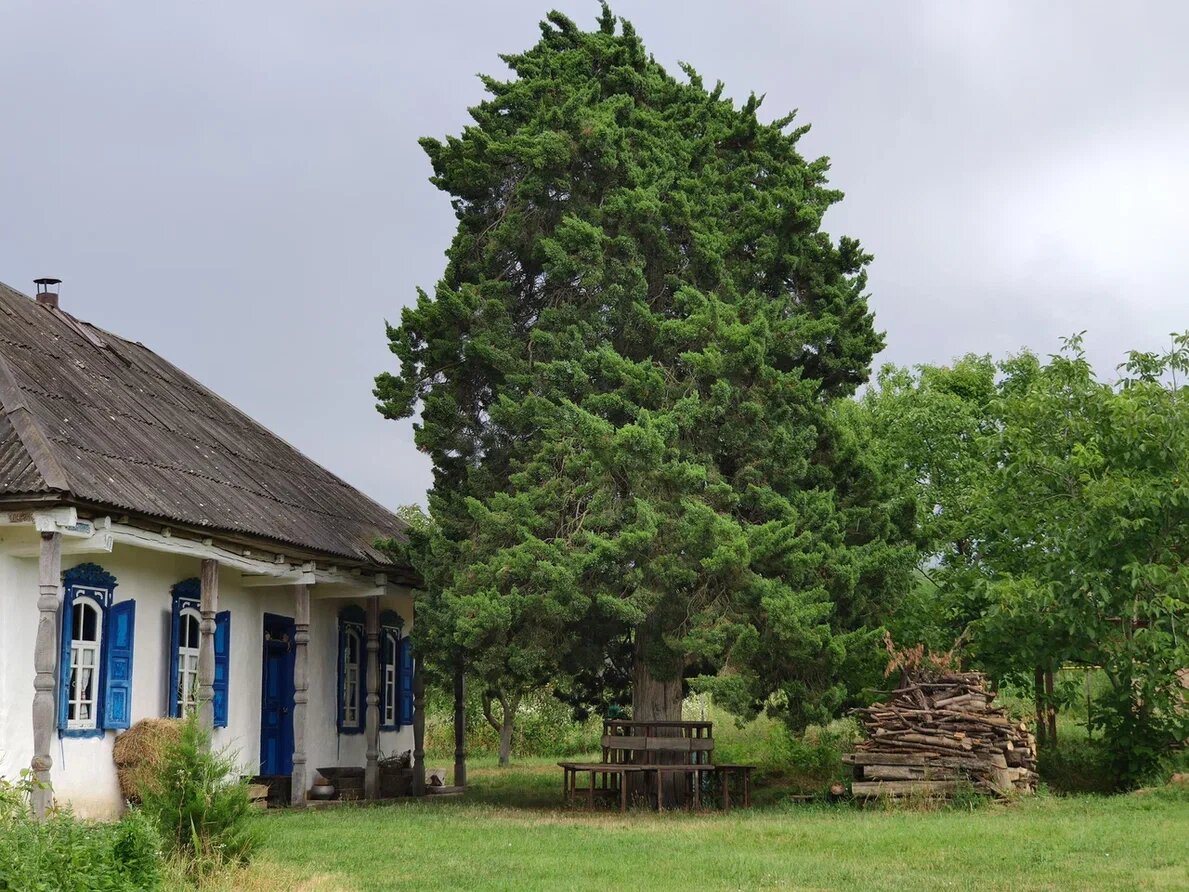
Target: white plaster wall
<point x="83" y="773"/>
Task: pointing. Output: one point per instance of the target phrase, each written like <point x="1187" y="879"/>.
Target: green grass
<point x="511" y="832"/>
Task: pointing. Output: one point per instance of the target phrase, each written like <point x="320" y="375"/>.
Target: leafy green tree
<point x="1086" y="526"/>
<point x="1053" y="520"/>
<point x="628" y="380"/>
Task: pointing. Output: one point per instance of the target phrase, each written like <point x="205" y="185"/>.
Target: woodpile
<point x="938" y="730"/>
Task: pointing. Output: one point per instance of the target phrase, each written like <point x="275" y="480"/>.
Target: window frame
<point x="85" y="599"/>
<point x="352" y="625"/>
<point x="90" y="585"/>
<point x="391" y="624"/>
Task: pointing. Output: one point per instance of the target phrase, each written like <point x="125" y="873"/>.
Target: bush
<point x="201" y="808"/>
<point x="63" y="853"/>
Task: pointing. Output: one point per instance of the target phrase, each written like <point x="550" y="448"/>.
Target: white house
<point x="161" y="551"/>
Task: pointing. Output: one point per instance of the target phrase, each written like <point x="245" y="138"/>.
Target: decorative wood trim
<point x="45" y="663"/>
<point x="301" y="687"/>
<point x="208" y="607"/>
<point x="371" y="775"/>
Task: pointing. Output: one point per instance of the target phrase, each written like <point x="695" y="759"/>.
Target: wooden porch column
<point x="418" y="729"/>
<point x="371" y="773"/>
<point x="301" y="687"/>
<point x="45" y="662"/>
<point x="208" y="606"/>
<point x="460" y="727"/>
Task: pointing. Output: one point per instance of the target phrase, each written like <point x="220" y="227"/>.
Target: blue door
<point x="276" y="701"/>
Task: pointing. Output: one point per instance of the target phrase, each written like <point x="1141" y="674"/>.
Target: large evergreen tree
<point x="627" y="378"/>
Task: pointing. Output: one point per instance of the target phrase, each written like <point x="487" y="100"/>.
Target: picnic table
<point x="680" y="753"/>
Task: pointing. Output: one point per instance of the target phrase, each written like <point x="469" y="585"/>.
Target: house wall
<point x="83" y="772"/>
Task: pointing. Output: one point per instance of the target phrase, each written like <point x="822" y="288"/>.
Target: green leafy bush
<point x="199" y="804"/>
<point x="64" y="853"/>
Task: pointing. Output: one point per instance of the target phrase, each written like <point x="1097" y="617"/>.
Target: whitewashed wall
<point x="83" y="772"/>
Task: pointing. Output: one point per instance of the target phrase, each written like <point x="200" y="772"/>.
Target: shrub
<point x="200" y="806"/>
<point x="64" y="853"/>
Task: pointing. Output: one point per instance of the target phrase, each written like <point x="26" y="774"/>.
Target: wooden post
<point x="418" y="730"/>
<point x="460" y="727"/>
<point x="301" y="687"/>
<point x="371" y="773"/>
<point x="45" y="663"/>
<point x="208" y="606"/>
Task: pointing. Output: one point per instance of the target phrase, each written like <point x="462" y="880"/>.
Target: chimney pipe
<point x="45" y="296"/>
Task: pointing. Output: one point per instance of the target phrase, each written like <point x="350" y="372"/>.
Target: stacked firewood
<point x="938" y="730"/>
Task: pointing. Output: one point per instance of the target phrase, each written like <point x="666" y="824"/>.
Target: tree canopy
<point x="628" y="378"/>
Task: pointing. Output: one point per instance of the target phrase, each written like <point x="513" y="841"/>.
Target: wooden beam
<point x="301" y="687"/>
<point x="45" y="664"/>
<point x="208" y="607"/>
<point x="371" y="773"/>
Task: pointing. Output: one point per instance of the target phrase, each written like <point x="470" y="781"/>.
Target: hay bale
<point x="140" y="750"/>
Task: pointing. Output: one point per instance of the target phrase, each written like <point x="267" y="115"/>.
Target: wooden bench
<point x="742" y="774"/>
<point x="609" y="771"/>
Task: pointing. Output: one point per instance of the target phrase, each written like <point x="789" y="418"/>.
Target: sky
<point x="238" y="185"/>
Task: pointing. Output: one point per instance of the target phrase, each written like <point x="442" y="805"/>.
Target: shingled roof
<point x="102" y="421"/>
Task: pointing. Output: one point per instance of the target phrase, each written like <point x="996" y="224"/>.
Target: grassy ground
<point x="510" y="832"/>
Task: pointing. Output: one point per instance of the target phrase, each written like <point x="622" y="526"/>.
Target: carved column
<point x="418" y="730"/>
<point x="208" y="606"/>
<point x="371" y="773"/>
<point x="301" y="688"/>
<point x="460" y="727"/>
<point x="45" y="662"/>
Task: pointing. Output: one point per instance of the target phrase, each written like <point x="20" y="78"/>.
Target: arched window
<point x="351" y="674"/>
<point x="95" y="654"/>
<point x="86" y="635"/>
<point x="390" y="643"/>
<point x="185" y="643"/>
<point x="186" y="694"/>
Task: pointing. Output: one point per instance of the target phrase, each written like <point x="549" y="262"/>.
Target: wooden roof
<point x="102" y="421"/>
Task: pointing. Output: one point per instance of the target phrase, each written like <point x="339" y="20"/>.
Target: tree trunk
<point x="1040" y="708"/>
<point x="505" y="724"/>
<point x="1051" y="707"/>
<point x="658" y="699"/>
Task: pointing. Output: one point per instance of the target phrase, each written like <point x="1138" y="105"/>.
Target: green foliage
<point x="627" y="380"/>
<point x="545" y="726"/>
<point x="200" y="806"/>
<point x="1055" y="512"/>
<point x="64" y="854"/>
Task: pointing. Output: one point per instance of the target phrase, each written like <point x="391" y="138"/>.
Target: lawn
<point x="510" y="832"/>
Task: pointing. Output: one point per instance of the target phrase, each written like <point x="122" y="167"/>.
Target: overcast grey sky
<point x="238" y="185"/>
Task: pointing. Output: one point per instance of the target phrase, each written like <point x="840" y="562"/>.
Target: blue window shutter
<point x="64" y="658"/>
<point x="117" y="644"/>
<point x="175" y="635"/>
<point x="222" y="665"/>
<point x="406" y="681"/>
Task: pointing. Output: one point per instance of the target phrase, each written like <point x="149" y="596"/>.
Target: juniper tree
<point x="627" y="378"/>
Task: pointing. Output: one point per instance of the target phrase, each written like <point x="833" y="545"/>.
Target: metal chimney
<point x="45" y="296"/>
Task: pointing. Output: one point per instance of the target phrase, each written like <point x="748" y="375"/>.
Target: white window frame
<point x="390" y="680"/>
<point x="186" y="695"/>
<point x="351" y="676"/>
<point x="78" y="647"/>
